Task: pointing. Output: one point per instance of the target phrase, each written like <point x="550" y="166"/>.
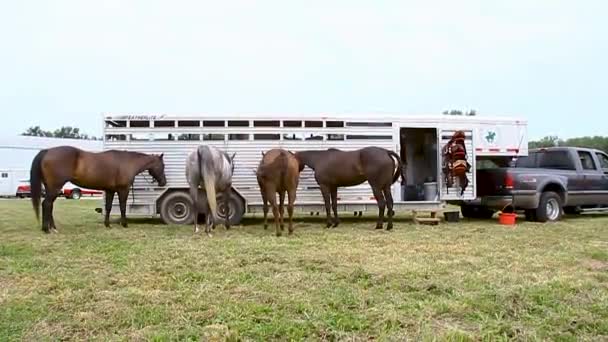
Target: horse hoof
<point x="54" y="230"/>
<point x="389" y="227"/>
<point x="378" y="226"/>
<point x="265" y="227"/>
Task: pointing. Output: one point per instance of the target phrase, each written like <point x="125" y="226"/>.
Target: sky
<point x="67" y="62"/>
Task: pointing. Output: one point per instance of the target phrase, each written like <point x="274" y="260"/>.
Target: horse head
<point x="157" y="170"/>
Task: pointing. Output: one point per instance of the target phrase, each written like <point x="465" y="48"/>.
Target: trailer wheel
<point x="549" y="207"/>
<point x="176" y="208"/>
<point x="236" y="208"/>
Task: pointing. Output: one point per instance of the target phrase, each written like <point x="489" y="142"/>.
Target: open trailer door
<point x="453" y="193"/>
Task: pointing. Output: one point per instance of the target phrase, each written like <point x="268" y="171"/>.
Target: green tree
<point x="36" y="131"/>
<point x="597" y="142"/>
<point x="63" y="132"/>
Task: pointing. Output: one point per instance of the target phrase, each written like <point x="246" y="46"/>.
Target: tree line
<point x="67" y="132"/>
<point x="597" y="142"/>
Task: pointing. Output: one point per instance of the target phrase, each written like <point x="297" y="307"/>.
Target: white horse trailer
<point x="417" y="139"/>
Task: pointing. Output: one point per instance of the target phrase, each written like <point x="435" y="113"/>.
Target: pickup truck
<point x="545" y="184"/>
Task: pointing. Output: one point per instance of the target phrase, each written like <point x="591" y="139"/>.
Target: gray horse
<point x="212" y="169"/>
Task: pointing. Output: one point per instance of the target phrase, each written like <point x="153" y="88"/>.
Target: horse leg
<point x="271" y="196"/>
<point x="123" y="195"/>
<point x="227" y="194"/>
<point x="52" y="226"/>
<point x="208" y="222"/>
<point x="381" y="206"/>
<point x="281" y="208"/>
<point x="291" y="198"/>
<point x="46" y="215"/>
<point x="389" y="206"/>
<point x="334" y="205"/>
<point x="325" y="191"/>
<point x="195" y="206"/>
<point x="109" y="200"/>
<point x="265" y="201"/>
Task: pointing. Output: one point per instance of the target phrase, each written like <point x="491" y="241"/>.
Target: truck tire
<point x="236" y="209"/>
<point x="176" y="208"/>
<point x="549" y="207"/>
<point x="476" y="212"/>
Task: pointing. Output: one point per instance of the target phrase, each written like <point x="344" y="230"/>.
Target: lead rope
<point x="133" y="192"/>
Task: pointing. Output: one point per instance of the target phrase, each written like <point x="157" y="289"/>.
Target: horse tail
<point x="36" y="179"/>
<point x="399" y="170"/>
<point x="209" y="181"/>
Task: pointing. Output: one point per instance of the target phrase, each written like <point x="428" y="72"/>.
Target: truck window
<point x="603" y="161"/>
<point x="528" y="161"/>
<point x="587" y="160"/>
<point x="559" y="160"/>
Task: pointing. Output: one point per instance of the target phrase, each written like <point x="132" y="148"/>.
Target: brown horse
<point x="334" y="168"/>
<point x="111" y="171"/>
<point x="278" y="171"/>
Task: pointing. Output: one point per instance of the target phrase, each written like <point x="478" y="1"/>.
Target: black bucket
<point x="451" y="216"/>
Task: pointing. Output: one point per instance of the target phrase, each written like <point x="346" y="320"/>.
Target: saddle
<point x="455" y="164"/>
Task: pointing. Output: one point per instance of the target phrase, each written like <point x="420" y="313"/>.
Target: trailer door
<point x="453" y="192"/>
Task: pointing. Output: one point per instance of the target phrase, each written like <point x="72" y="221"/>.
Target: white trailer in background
<point x="10" y="179"/>
<point x="418" y="140"/>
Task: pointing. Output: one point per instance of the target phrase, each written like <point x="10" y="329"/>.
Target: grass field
<point x="474" y="280"/>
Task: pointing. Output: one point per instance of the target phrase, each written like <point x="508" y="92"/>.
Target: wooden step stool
<point x="431" y="221"/>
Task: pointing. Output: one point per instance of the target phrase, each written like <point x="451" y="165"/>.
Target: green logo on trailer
<point x="491" y="137"/>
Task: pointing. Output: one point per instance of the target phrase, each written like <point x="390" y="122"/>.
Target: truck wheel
<point x="75" y="195"/>
<point x="549" y="207"/>
<point x="176" y="208"/>
<point x="476" y="212"/>
<point x="236" y="208"/>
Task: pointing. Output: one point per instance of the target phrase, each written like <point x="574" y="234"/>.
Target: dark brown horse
<point x="334" y="168"/>
<point x="278" y="171"/>
<point x="112" y="171"/>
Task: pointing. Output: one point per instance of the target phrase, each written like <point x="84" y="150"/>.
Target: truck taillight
<point x="509" y="181"/>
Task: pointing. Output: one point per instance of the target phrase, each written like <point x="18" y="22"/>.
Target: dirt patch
<point x="596" y="265"/>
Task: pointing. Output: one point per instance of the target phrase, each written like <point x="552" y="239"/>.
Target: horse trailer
<point x="417" y="139"/>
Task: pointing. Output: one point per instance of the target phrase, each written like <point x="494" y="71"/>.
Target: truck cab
<point x="545" y="184"/>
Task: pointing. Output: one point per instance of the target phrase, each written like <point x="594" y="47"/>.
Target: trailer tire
<point x="549" y="207"/>
<point x="176" y="208"/>
<point x="236" y="209"/>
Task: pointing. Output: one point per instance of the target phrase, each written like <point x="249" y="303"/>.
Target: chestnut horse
<point x="334" y="168"/>
<point x="278" y="171"/>
<point x="111" y="171"/>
